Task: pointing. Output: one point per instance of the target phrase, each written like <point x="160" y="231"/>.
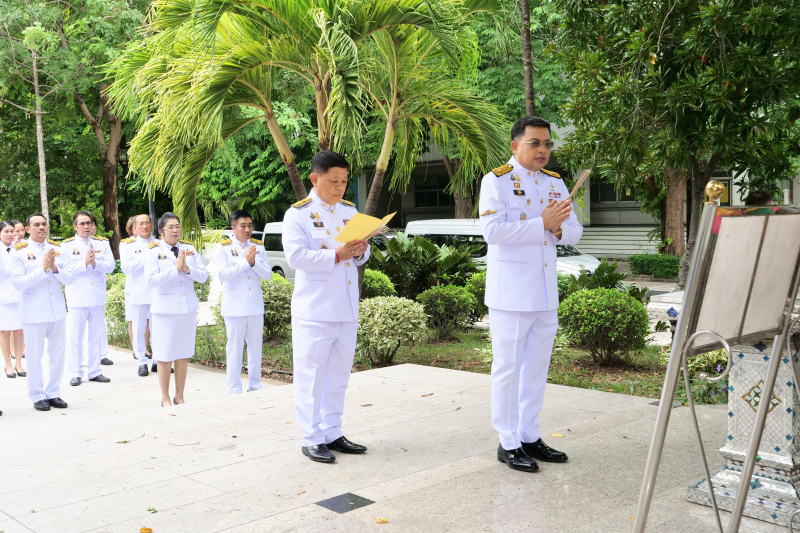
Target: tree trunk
<point x="40" y="140"/>
<point x="381" y="165"/>
<point x="673" y="213"/>
<point x="527" y="58"/>
<point x="323" y="119"/>
<point x="286" y="155"/>
<point x="463" y="198"/>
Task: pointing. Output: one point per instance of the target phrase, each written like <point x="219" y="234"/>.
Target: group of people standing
<point x="525" y="211"/>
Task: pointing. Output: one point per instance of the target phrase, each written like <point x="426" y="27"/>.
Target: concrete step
<point x="616" y="241"/>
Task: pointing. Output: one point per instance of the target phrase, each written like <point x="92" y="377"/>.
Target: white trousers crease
<point x="323" y="357"/>
<point x="78" y="318"/>
<point x="522" y="343"/>
<point x="140" y="314"/>
<point x="55" y="333"/>
<point x="241" y="330"/>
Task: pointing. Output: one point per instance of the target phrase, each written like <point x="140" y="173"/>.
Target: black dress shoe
<point x="75" y="382"/>
<point x="100" y="378"/>
<point x="319" y="453"/>
<point x="12" y="376"/>
<point x="143" y="370"/>
<point x="106" y="361"/>
<point x="154" y="368"/>
<point x="58" y="403"/>
<point x="517" y="459"/>
<point x="22" y="374"/>
<point x="541" y="451"/>
<point x="345" y="446"/>
<point x="42" y="405"/>
<point x="148" y="355"/>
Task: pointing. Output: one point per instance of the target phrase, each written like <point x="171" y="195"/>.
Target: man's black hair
<point x="83" y="214"/>
<point x="519" y="126"/>
<point x="167" y="216"/>
<point x="325" y="160"/>
<point x="758" y="197"/>
<point x="28" y="220"/>
<point x="236" y="215"/>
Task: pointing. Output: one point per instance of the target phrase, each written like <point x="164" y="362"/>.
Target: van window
<point x="273" y="242"/>
<point x="471" y="240"/>
<point x="438" y="240"/>
<point x="566" y="250"/>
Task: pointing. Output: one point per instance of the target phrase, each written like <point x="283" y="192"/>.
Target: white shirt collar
<point x="318" y="201"/>
<point x="237" y="241"/>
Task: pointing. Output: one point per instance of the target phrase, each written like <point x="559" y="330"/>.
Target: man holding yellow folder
<point x="324" y="306"/>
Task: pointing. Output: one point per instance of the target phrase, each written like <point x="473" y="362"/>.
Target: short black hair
<point x="519" y="126"/>
<point x="28" y="220"/>
<point x="83" y="214"/>
<point x="758" y="197"/>
<point x="237" y="214"/>
<point x="5" y="223"/>
<point x="15" y="221"/>
<point x="167" y="216"/>
<point x="325" y="160"/>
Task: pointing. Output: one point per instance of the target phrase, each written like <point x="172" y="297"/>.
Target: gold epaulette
<point x="551" y="173"/>
<point x="70" y="239"/>
<point x="99" y="238"/>
<point x="302" y="202"/>
<point x="54" y="243"/>
<point x="257" y="241"/>
<point x="502" y="171"/>
<point x="347" y="203"/>
<point x="185" y="242"/>
<point x="226" y="242"/>
<point x="128" y="240"/>
<point x="20" y="246"/>
<point x="154" y="244"/>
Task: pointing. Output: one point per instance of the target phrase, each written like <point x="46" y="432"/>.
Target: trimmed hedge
<point x="385" y="324"/>
<point x="476" y="285"/>
<point x="375" y="284"/>
<point x="656" y="265"/>
<point x="448" y="308"/>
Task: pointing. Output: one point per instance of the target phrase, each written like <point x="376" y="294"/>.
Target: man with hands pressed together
<point x="324" y="306"/>
<point x="38" y="271"/>
<point x="525" y="212"/>
<point x="241" y="265"/>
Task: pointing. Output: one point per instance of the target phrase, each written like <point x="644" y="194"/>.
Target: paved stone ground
<point x="233" y="463"/>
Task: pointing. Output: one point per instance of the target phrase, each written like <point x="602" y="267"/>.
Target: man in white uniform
<point x="525" y="213"/>
<point x="38" y="271"/>
<point x="138" y="294"/>
<point x="324" y="306"/>
<point x="241" y="265"/>
<point x="89" y="259"/>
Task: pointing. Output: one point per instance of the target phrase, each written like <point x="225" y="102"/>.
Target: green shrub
<point x="277" y="293"/>
<point x="564" y="282"/>
<point x="605" y="322"/>
<point x="448" y="308"/>
<point x="385" y="324"/>
<point x="113" y="279"/>
<point x="656" y="265"/>
<point x="376" y="284"/>
<point x="116" y="325"/>
<point x="202" y="289"/>
<point x="605" y="276"/>
<point x="476" y="285"/>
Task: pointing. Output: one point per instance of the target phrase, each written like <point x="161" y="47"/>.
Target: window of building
<point x="602" y="191"/>
<point x="429" y="191"/>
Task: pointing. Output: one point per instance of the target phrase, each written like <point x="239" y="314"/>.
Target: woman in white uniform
<point x="130" y="229"/>
<point x="18" y="351"/>
<point x="10" y="321"/>
<point x="170" y="267"/>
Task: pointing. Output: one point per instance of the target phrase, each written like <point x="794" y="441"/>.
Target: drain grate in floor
<point x="345" y="502"/>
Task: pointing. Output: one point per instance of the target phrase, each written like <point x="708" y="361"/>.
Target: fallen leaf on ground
<point x="172" y="414"/>
<point x="557" y="435"/>
<point x="352" y="478"/>
<point x="33" y="511"/>
<point x="123" y="442"/>
<point x="290" y="422"/>
<point x="380" y="520"/>
<point x="145" y="530"/>
<point x="367" y="405"/>
<point x="299" y="493"/>
<point x="424" y="396"/>
<point x="64" y="414"/>
<point x="610" y="390"/>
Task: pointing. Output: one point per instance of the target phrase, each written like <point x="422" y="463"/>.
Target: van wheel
<point x="278" y="271"/>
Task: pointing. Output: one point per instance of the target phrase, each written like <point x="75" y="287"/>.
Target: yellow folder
<point x="361" y="227"/>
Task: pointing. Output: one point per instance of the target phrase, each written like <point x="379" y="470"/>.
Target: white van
<point x="273" y="243"/>
<point x="456" y="231"/>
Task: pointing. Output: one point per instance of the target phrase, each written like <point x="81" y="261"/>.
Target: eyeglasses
<point x="536" y="143"/>
<point x="144" y="224"/>
<point x="173" y="228"/>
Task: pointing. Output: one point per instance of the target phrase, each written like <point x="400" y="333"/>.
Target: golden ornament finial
<point x="714" y="190"/>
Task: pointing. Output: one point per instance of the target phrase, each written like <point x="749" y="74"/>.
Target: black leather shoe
<point x="345" y="446"/>
<point x="106" y="361"/>
<point x="12" y="376"/>
<point x="75" y="382"/>
<point x="541" y="451"/>
<point x="22" y="374"/>
<point x="143" y="370"/>
<point x="154" y="368"/>
<point x="148" y="355"/>
<point x="58" y="403"/>
<point x="100" y="378"/>
<point x="517" y="459"/>
<point x="42" y="405"/>
<point x="319" y="453"/>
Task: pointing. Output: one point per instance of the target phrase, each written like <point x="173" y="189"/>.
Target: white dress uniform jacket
<point x="138" y="294"/>
<point x="89" y="286"/>
<point x="521" y="292"/>
<point x="324" y="315"/>
<point x="43" y="312"/>
<point x="243" y="308"/>
<point x="9" y="297"/>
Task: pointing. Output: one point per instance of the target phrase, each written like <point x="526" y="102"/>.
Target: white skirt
<point x="10" y="319"/>
<point x="172" y="336"/>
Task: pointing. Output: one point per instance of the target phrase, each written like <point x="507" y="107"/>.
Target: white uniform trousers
<point x="521" y="343"/>
<point x="323" y="357"/>
<point x="56" y="335"/>
<point x="243" y="329"/>
<point x="79" y="318"/>
<point x="140" y="314"/>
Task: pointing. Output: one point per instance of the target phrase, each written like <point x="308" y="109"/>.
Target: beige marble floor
<point x="116" y="462"/>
